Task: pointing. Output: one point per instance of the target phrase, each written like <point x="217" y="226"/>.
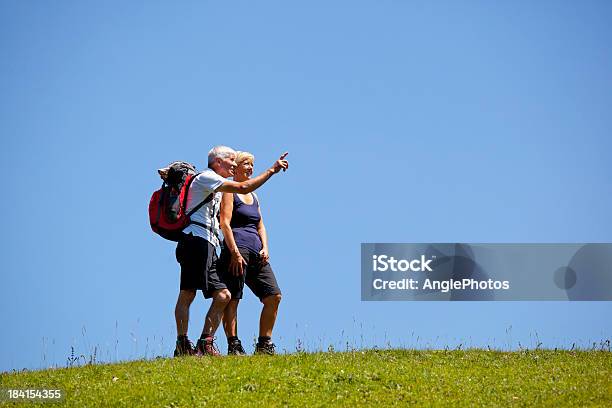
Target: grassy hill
<point x="401" y="377"/>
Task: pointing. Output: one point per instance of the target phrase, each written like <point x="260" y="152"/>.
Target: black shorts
<point x="258" y="277"/>
<point x="198" y="260"/>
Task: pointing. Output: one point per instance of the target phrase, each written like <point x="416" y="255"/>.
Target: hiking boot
<point x="234" y="348"/>
<point x="207" y="347"/>
<point x="265" y="348"/>
<point x="184" y="347"/>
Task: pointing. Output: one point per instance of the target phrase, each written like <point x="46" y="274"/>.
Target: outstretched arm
<point x="245" y="187"/>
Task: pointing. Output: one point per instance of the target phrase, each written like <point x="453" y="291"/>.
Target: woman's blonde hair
<point x="242" y="156"/>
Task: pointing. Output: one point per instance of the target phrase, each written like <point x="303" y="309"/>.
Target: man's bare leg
<point x="220" y="299"/>
<point x="181" y="314"/>
<point x="181" y="311"/>
<point x="206" y="346"/>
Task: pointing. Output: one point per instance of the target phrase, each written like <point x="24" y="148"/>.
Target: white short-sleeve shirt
<point x="202" y="186"/>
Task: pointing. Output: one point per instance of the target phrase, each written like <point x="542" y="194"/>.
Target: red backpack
<point x="168" y="206"/>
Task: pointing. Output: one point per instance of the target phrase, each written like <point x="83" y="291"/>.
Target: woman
<point x="245" y="259"/>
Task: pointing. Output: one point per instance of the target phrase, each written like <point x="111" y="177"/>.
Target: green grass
<point x="400" y="377"/>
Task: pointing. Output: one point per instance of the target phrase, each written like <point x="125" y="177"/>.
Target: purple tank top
<point x="245" y="219"/>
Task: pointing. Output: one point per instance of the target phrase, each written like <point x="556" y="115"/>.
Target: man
<point x="196" y="251"/>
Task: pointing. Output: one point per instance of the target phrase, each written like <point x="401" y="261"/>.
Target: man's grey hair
<point x="219" y="152"/>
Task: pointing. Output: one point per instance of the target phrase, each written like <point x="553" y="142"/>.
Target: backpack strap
<point x="202" y="204"/>
<point x="197" y="207"/>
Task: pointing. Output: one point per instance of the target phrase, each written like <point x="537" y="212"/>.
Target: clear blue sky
<point x="405" y="122"/>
